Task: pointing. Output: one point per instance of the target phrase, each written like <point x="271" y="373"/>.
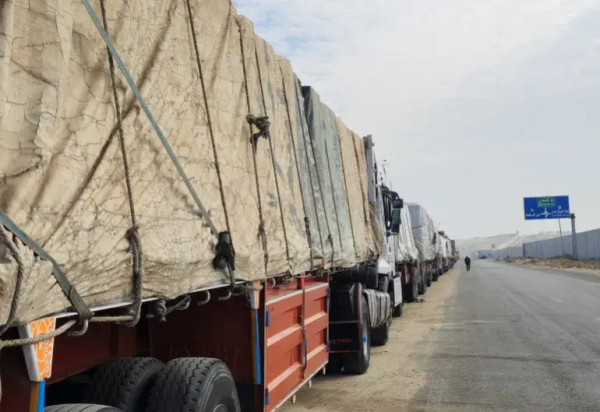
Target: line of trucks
<point x="184" y="225"/>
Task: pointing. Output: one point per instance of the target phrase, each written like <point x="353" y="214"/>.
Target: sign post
<point x="574" y="237"/>
<point x="562" y="241"/>
<point x="551" y="207"/>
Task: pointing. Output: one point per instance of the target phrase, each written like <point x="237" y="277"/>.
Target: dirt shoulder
<point x="563" y="263"/>
<point x="396" y="375"/>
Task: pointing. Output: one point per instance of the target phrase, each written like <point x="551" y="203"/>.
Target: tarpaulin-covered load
<point x="449" y="247"/>
<point x="407" y="250"/>
<point x="368" y="243"/>
<point x="62" y="171"/>
<point x="423" y="231"/>
<point x="442" y="246"/>
<point x="335" y="217"/>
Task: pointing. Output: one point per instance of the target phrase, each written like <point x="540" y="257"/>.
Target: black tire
<point x="397" y="312"/>
<point x="423" y="286"/>
<point x="358" y="363"/>
<point x="411" y="290"/>
<point x="123" y="383"/>
<point x="194" y="385"/>
<point x="80" y="407"/>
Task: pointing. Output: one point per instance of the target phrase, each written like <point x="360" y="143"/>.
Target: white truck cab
<point x="388" y="206"/>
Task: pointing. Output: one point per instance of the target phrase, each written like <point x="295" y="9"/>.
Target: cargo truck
<point x="444" y="252"/>
<point x="454" y="251"/>
<point x="407" y="260"/>
<point x="183" y="225"/>
<point x="425" y="236"/>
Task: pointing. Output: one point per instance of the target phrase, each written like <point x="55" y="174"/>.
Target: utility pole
<point x="574" y="237"/>
<point x="561" y="238"/>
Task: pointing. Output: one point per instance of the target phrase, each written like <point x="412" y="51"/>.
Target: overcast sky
<point x="474" y="103"/>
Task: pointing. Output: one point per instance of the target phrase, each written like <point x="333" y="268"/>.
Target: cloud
<point x="458" y="93"/>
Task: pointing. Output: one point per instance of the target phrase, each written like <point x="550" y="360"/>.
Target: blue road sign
<point x="548" y="207"/>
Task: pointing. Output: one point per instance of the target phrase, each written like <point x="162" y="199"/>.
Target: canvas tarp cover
<point x="407" y="250"/>
<point x="336" y="221"/>
<point x="423" y="232"/>
<point x="443" y="247"/>
<point x="61" y="171"/>
<point x="368" y="243"/>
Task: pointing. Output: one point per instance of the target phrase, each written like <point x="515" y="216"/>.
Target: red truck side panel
<point x="296" y="337"/>
<point x="283" y="331"/>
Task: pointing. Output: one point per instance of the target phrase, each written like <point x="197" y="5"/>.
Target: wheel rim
<point x="220" y="408"/>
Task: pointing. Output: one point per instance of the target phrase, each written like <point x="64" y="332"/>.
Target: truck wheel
<point x="123" y="383"/>
<point x="381" y="335"/>
<point x="80" y="407"/>
<point x="397" y="312"/>
<point x="194" y="385"/>
<point x="357" y="363"/>
<point x="423" y="287"/>
<point x="406" y="292"/>
<point x="411" y="291"/>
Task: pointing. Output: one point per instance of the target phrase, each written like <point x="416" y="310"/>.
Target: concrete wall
<point x="588" y="245"/>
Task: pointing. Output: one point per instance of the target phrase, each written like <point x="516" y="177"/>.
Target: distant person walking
<point x="468" y="263"/>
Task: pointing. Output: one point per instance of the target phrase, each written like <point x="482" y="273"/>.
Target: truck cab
<point x="375" y="288"/>
<point x="388" y="205"/>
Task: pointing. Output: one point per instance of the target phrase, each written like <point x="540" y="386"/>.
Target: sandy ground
<point x="396" y="380"/>
<point x="585" y="266"/>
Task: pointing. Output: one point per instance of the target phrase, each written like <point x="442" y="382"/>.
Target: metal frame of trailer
<point x="273" y="341"/>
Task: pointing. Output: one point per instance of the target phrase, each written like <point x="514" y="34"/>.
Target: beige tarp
<point x="353" y="156"/>
<point x="61" y="171"/>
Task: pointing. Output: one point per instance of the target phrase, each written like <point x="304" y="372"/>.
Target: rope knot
<point x="132" y="234"/>
<point x="135" y="247"/>
<point x="262" y="124"/>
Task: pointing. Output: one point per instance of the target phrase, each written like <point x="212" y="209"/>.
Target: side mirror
<point x="398" y="203"/>
<point x="396" y="221"/>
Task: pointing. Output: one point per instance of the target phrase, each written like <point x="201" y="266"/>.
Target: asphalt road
<point x="498" y="338"/>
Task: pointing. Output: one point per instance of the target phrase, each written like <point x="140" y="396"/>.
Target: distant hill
<point x="473" y="245"/>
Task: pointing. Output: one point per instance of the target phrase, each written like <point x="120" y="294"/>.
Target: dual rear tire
<point x="194" y="385"/>
<point x="147" y="384"/>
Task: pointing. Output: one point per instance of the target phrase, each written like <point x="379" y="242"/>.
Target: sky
<point x="474" y="104"/>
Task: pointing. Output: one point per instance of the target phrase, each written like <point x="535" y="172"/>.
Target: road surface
<point x="499" y="338"/>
